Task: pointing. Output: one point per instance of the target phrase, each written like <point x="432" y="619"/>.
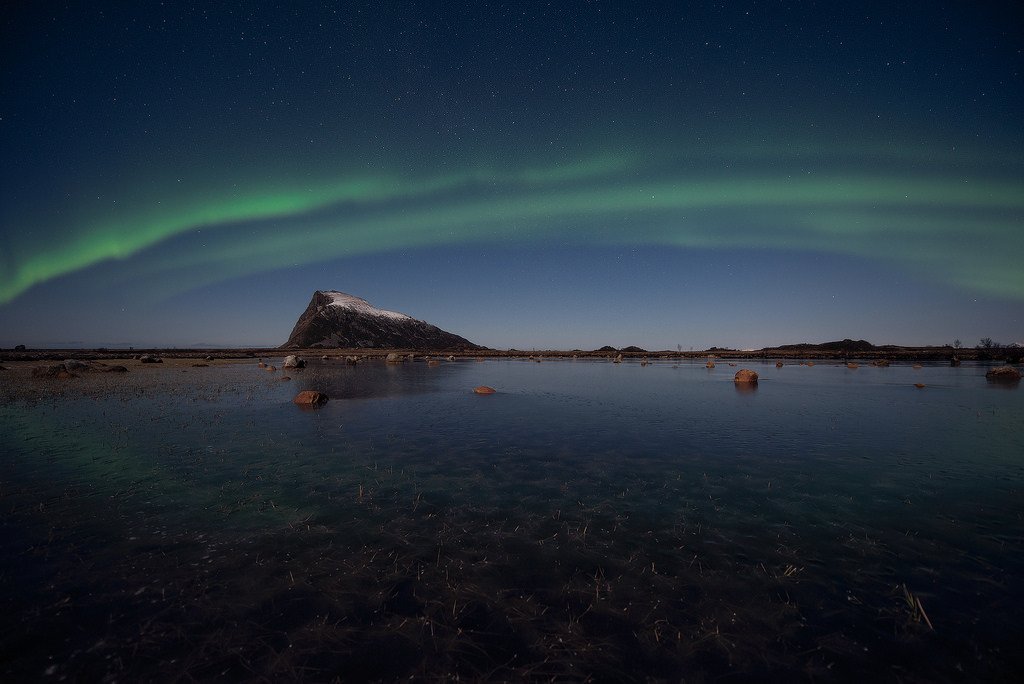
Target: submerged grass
<point x="324" y="553"/>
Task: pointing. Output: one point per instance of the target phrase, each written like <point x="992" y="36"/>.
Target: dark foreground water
<point x="616" y="522"/>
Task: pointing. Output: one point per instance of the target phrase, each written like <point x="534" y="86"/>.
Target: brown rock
<point x="271" y="369"/>
<point x="745" y="376"/>
<point x="484" y="389"/>
<point x="285" y="377"/>
<point x="852" y="365"/>
<point x="310" y="398"/>
<point x="810" y="363"/>
<point x="709" y="364"/>
<point x="433" y="362"/>
<point x="1004" y="374"/>
<point x="917" y="366"/>
<point x="778" y="364"/>
<point x="55" y="371"/>
<point x="919" y="385"/>
<point x="261" y="365"/>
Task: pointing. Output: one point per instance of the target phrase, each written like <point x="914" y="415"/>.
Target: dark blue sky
<point x="524" y="175"/>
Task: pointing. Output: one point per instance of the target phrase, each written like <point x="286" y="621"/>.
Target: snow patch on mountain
<point x="347" y="301"/>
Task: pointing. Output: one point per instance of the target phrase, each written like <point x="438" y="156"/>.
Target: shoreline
<point x="770" y="353"/>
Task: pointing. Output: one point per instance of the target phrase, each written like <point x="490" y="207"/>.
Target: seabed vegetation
<point x="207" y="529"/>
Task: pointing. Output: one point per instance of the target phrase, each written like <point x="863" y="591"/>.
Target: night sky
<point x="529" y="175"/>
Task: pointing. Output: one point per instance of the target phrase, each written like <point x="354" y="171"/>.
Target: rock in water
<point x="1004" y="374"/>
<point x="336" y="319"/>
<point x="293" y="361"/>
<point x="484" y="389"/>
<point x="746" y="376"/>
<point x="310" y="398"/>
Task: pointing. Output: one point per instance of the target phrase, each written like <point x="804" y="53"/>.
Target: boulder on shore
<point x="149" y="358"/>
<point x="393" y="358"/>
<point x="744" y="375"/>
<point x="310" y="398"/>
<point x="293" y="361"/>
<point x="1003" y="374"/>
<point x="55" y="371"/>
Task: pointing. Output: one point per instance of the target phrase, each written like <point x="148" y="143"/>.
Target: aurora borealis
<point x="524" y="175"/>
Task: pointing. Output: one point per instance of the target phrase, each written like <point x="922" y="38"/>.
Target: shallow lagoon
<point x="589" y="519"/>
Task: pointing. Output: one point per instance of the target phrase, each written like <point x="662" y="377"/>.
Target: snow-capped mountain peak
<point x="342" y="321"/>
<point x="347" y="301"/>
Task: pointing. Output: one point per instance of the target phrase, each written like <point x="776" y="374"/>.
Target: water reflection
<point x="376" y="379"/>
<point x="592" y="518"/>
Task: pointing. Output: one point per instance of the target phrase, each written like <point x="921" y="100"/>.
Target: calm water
<point x="612" y="521"/>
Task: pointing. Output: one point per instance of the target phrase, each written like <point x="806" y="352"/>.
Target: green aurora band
<point x="945" y="228"/>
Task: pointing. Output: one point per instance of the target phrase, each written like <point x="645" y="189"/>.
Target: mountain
<point x="846" y="345"/>
<point x="336" y="319"/>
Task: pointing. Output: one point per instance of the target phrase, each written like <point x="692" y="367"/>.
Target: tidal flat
<point x="589" y="520"/>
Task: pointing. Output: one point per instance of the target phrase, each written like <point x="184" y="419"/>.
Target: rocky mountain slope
<point x="336" y="319"/>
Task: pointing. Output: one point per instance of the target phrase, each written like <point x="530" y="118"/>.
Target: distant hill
<point x="336" y="319"/>
<point x="839" y="345"/>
